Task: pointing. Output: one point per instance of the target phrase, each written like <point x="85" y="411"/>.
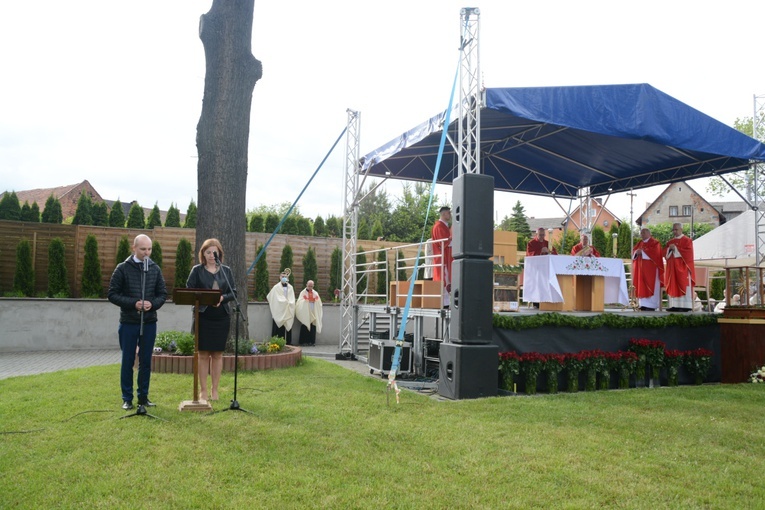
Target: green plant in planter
<point x="655" y="358"/>
<point x="272" y="345"/>
<point x="648" y="351"/>
<point x="595" y="362"/>
<point x="672" y="361"/>
<point x="627" y="364"/>
<point x="531" y="365"/>
<point x="697" y="362"/>
<point x="509" y="367"/>
<point x="179" y="343"/>
<point x="553" y="366"/>
<point x="612" y="364"/>
<point x="574" y="364"/>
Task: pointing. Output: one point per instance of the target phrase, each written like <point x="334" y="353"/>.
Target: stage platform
<point x="565" y="339"/>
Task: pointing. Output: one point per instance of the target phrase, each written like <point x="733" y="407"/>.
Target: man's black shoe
<point x="127" y="406"/>
<point x="647" y="309"/>
<point x="146" y="403"/>
<point x="673" y="309"/>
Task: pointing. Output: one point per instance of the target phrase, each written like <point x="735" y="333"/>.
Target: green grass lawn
<point x="325" y="437"/>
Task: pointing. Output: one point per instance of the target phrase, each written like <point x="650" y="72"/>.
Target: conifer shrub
<point x="183" y="262"/>
<point x="24" y="276"/>
<point x="58" y="285"/>
<point x="92" y="287"/>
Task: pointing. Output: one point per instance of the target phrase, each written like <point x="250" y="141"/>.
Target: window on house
<point x="686" y="210"/>
<point x="673" y="210"/>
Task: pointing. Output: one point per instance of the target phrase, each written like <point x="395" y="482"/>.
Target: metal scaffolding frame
<point x="348" y="309"/>
<point x="758" y="125"/>
<point x="469" y="156"/>
<point x="469" y="142"/>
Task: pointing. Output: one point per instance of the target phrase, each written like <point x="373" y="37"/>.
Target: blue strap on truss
<point x="396" y="362"/>
<point x="279" y="226"/>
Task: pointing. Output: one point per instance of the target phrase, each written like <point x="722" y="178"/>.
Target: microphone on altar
<point x="217" y="260"/>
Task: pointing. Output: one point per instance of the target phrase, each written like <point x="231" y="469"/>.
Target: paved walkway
<point x="13" y="364"/>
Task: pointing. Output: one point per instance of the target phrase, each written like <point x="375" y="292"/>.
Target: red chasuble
<point x="534" y="247"/>
<point x="442" y="231"/>
<point x="644" y="270"/>
<point x="676" y="274"/>
<point x="578" y="247"/>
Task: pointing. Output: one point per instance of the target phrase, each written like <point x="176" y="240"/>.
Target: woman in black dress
<point x="214" y="321"/>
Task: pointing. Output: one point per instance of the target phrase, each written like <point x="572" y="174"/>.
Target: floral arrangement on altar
<point x="758" y="376"/>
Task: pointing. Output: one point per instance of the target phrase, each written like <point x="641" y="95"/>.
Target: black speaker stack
<point x="468" y="363"/>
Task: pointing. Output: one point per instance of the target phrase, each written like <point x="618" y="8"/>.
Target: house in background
<point x="67" y="195"/>
<point x="600" y="216"/>
<point x="730" y="210"/>
<point x="680" y="203"/>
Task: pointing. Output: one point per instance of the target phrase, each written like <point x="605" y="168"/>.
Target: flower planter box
<point x="172" y="364"/>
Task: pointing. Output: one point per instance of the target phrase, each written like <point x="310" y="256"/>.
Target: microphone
<point x="217" y="260"/>
<point x="146" y="264"/>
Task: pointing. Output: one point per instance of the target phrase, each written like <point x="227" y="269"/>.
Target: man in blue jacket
<point x="138" y="288"/>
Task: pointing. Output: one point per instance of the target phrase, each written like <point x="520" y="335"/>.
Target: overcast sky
<point x="111" y="91"/>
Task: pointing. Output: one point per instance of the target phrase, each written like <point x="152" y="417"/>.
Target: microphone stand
<point x="141" y="409"/>
<point x="234" y="403"/>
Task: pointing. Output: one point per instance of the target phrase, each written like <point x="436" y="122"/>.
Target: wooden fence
<point x="73" y="236"/>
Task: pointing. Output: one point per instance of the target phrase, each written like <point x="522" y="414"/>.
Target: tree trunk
<point x="231" y="72"/>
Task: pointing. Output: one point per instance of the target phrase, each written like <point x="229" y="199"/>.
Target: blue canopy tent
<point x="557" y="140"/>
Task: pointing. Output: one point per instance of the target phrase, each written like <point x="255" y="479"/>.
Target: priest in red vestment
<point x="539" y="245"/>
<point x="442" y="251"/>
<point x="583" y="248"/>
<point x="647" y="271"/>
<point x="680" y="273"/>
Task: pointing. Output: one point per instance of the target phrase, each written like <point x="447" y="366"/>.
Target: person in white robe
<point x="281" y="301"/>
<point x="308" y="311"/>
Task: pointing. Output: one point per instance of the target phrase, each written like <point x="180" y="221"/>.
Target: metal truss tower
<point x="470" y="92"/>
<point x="348" y="308"/>
<point x="758" y="132"/>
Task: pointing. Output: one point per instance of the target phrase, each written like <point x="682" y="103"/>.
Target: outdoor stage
<point x="681" y="331"/>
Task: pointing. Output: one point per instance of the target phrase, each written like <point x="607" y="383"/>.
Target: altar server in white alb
<point x="281" y="301"/>
<point x="308" y="312"/>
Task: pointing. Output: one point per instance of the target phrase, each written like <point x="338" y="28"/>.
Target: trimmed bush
<point x="58" y="285"/>
<point x="191" y="216"/>
<point x="156" y="253"/>
<point x="91" y="270"/>
<point x="24" y="277"/>
<point x="173" y="218"/>
<point x="83" y="215"/>
<point x="117" y="216"/>
<point x="123" y="249"/>
<point x="52" y="212"/>
<point x="135" y="217"/>
<point x="183" y="263"/>
<point x="261" y="276"/>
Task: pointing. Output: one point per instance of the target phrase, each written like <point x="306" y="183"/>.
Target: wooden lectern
<point x="196" y="297"/>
